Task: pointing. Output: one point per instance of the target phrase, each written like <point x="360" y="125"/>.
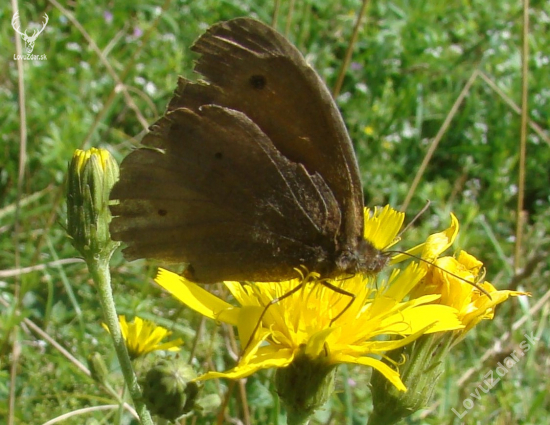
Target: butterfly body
<point x="250" y="173"/>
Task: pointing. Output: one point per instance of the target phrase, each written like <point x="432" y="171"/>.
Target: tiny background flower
<point x="143" y="336"/>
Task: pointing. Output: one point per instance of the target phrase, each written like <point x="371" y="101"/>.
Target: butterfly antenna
<point x="416" y="217"/>
<point x="475" y="284"/>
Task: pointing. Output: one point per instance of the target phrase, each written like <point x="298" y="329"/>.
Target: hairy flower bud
<point x="92" y="174"/>
<point x="168" y="389"/>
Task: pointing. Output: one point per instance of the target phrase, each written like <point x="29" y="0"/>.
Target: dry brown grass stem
<point x="532" y="125"/>
<point x="349" y="51"/>
<point x="289" y="17"/>
<point x="16" y="230"/>
<point x="435" y="143"/>
<point x="520" y="213"/>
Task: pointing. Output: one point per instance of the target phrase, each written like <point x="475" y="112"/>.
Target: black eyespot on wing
<point x="218" y="155"/>
<point x="162" y="212"/>
<point x="258" y="82"/>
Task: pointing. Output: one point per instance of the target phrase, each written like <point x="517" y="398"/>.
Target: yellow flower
<point x="458" y="280"/>
<point x="314" y="320"/>
<point x="144" y="336"/>
<point x="368" y="130"/>
<point x="454" y="279"/>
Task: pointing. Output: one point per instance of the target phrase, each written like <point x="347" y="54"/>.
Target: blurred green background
<point x="409" y="64"/>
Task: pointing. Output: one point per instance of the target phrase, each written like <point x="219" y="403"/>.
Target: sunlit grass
<point x="411" y="61"/>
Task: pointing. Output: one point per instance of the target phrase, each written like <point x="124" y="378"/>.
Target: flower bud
<point x="168" y="389"/>
<point x="92" y="174"/>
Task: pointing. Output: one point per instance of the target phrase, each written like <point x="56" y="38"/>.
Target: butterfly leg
<point x="273" y="301"/>
<point x="342" y="292"/>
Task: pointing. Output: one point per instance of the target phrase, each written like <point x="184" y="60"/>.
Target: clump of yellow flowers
<point x="307" y="334"/>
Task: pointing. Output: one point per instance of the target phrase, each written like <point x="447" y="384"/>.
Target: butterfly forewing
<point x="250" y="173"/>
<point x="250" y="67"/>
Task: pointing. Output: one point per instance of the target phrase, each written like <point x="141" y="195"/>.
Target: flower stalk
<point x="102" y="278"/>
<point x="92" y="174"/>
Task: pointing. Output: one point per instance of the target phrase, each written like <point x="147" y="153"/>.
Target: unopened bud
<point x="92" y="174"/>
<point x="168" y="389"/>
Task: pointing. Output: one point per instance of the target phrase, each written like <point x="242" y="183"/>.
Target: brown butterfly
<point x="250" y="173"/>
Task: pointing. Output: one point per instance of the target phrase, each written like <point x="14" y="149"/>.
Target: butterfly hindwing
<point x="215" y="192"/>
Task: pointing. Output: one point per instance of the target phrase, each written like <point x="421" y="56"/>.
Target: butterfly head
<point x="364" y="258"/>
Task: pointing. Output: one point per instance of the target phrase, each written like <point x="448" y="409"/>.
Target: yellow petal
<point x="263" y="360"/>
<point x="434" y="245"/>
<point x="382" y="227"/>
<point x="123" y="326"/>
<point x="469" y="262"/>
<point x="439" y="242"/>
<point x="171" y="345"/>
<point x="248" y="324"/>
<point x="436" y="317"/>
<point x="390" y="374"/>
<point x="316" y="343"/>
<point x="483" y="308"/>
<point x="402" y="282"/>
<point x="197" y="298"/>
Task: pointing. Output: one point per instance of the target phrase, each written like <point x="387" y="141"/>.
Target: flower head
<point x="454" y="282"/>
<point x="459" y="281"/>
<point x="318" y="322"/>
<point x="169" y="389"/>
<point x="143" y="336"/>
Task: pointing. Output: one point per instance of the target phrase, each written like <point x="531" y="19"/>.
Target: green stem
<point x="99" y="268"/>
